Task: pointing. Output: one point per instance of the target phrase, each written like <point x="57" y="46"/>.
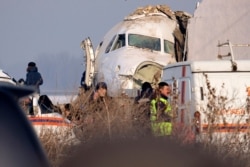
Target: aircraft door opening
<point x="147" y="72"/>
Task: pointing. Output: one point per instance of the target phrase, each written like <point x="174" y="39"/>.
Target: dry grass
<point x="54" y="148"/>
<point x="120" y="119"/>
<point x="110" y="120"/>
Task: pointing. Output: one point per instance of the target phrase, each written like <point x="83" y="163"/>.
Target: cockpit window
<point x="120" y="42"/>
<point x="142" y="41"/>
<point x="169" y="47"/>
<point x="110" y="44"/>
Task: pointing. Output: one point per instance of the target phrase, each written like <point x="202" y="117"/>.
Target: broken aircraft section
<point x="136" y="50"/>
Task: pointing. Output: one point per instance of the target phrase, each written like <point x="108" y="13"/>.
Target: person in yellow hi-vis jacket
<point x="160" y="111"/>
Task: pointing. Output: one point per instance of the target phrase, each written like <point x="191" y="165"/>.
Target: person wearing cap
<point x="33" y="77"/>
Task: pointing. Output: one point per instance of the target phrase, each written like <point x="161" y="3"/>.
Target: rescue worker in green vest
<point x="160" y="111"/>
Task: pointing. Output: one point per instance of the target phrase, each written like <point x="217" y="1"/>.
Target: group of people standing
<point x="160" y="110"/>
<point x="160" y="114"/>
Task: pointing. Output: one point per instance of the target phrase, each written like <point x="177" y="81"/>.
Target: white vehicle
<point x="210" y="85"/>
<point x="133" y="51"/>
<point x="46" y="119"/>
<point x="19" y="143"/>
<point x="217" y="90"/>
<point x="4" y="77"/>
<point x="42" y="113"/>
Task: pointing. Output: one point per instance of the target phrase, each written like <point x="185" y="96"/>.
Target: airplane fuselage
<point x="135" y="51"/>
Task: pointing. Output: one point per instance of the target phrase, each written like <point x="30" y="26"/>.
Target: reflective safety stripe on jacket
<point x="154" y="109"/>
<point x="160" y="127"/>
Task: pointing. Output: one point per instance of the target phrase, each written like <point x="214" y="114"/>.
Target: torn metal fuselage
<point x="132" y="52"/>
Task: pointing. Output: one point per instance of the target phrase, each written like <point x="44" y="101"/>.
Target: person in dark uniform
<point x="33" y="77"/>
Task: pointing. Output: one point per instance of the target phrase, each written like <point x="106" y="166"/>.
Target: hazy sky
<point x="49" y="32"/>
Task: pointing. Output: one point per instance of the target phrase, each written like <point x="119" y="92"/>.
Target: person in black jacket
<point x="82" y="83"/>
<point x="146" y="92"/>
<point x="33" y="77"/>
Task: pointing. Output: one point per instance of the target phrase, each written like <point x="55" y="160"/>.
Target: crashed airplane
<point x="136" y="50"/>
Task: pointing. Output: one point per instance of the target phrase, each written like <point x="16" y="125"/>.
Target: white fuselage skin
<point x="117" y="66"/>
<point x="4" y="77"/>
